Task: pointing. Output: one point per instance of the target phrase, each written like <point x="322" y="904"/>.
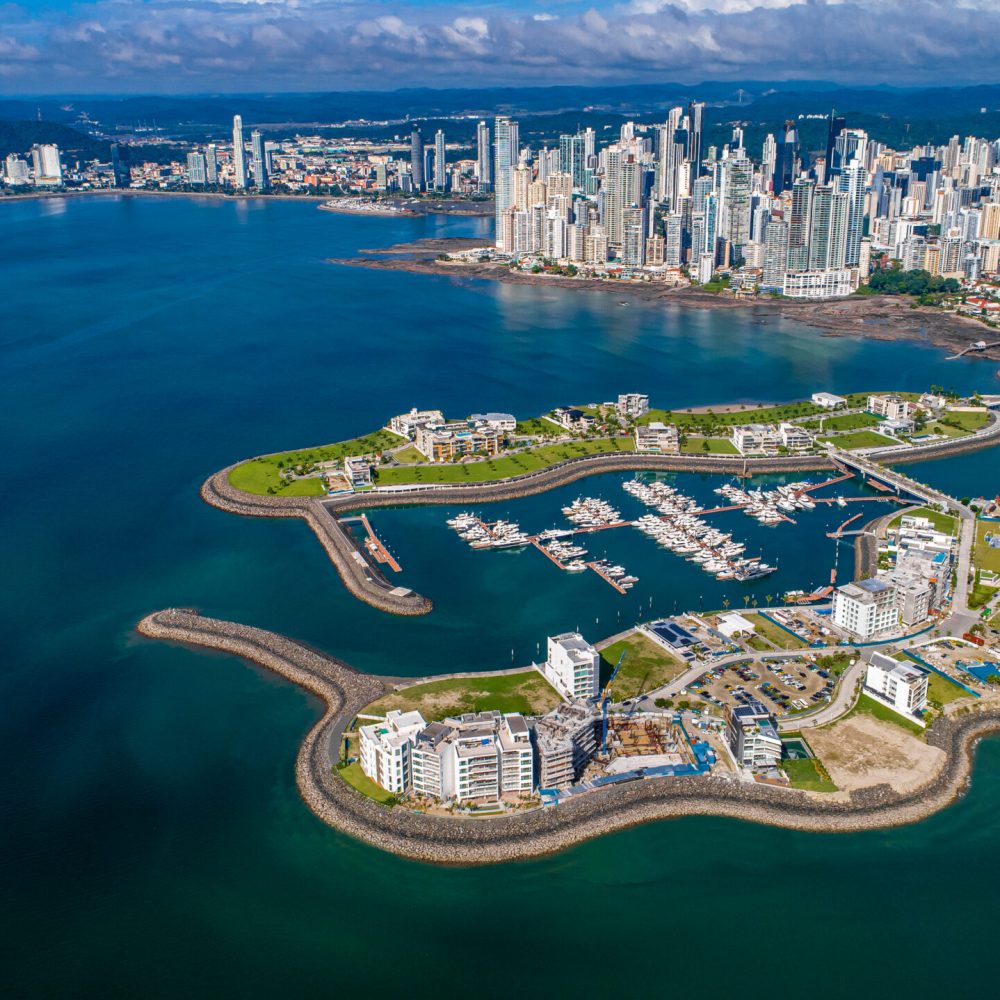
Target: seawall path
<point x="463" y="841"/>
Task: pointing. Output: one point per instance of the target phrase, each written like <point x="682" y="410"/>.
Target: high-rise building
<point x="799" y="224"/>
<point x="417" y="160"/>
<point x="484" y="157"/>
<point x="196" y="168"/>
<point x="121" y="165"/>
<point x="211" y="164"/>
<point x="239" y="155"/>
<point x="46" y="164"/>
<point x="695" y="112"/>
<point x="786" y="166"/>
<point x="440" y="162"/>
<point x="837" y="125"/>
<point x="775" y="255"/>
<point x="505" y="148"/>
<point x="260" y="175"/>
<point x="16" y="171"/>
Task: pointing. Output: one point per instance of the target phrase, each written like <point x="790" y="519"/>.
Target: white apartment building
<point x="828" y="400"/>
<point x="890" y="407"/>
<point x="407" y="423"/>
<point x="479" y="755"/>
<point x="571" y="666"/>
<point x="658" y="438"/>
<point x="795" y="438"/>
<point x="498" y="421"/>
<point x="865" y="608"/>
<point x="900" y="685"/>
<point x="632" y="404"/>
<point x="386" y="749"/>
<point x="819" y="284"/>
<point x="756" y="439"/>
<point x="752" y="735"/>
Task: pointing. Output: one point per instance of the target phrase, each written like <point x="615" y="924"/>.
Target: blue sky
<point x="178" y="46"/>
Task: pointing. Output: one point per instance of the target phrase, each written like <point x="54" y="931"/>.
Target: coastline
<point x="469" y="842"/>
<point x="878" y="317"/>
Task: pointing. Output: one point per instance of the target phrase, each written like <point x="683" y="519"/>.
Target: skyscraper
<point x="505" y="149"/>
<point x="837" y="125"/>
<point x="121" y="165"/>
<point x="196" y="168"/>
<point x="484" y="157"/>
<point x="440" y="171"/>
<point x="695" y="112"/>
<point x="211" y="164"/>
<point x="260" y="176"/>
<point x="417" y="160"/>
<point x="239" y="155"/>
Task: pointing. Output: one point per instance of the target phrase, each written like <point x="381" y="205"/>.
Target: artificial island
<point x="848" y="707"/>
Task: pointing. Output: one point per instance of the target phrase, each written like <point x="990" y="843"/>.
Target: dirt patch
<point x="862" y="751"/>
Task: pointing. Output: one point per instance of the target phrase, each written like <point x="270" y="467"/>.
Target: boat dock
<point x="373" y="544"/>
<point x="599" y="570"/>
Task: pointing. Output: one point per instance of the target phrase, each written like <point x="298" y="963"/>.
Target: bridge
<point x="888" y="480"/>
<point x="977" y="347"/>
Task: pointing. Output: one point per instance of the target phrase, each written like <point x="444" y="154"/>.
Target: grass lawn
<point x="759" y="643"/>
<point x="526" y="692"/>
<point x="859" y="439"/>
<point x="781" y="638"/>
<point x="260" y="474"/>
<point x="965" y="421"/>
<point x="360" y="781"/>
<point x="869" y="706"/>
<point x="941" y="691"/>
<point x="537" y="427"/>
<point x="646" y="666"/>
<point x="715" y="446"/>
<point x="510" y="465"/>
<point x="942" y="522"/>
<point x="834" y="663"/>
<point x="847" y="422"/>
<point x="409" y="454"/>
<point x="762" y="415"/>
<point x="987" y="557"/>
<point x="808" y="774"/>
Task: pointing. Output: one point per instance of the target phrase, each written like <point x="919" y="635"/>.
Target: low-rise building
<point x="657" y="437"/>
<point x="632" y="404"/>
<point x="386" y="749"/>
<point x="566" y="739"/>
<point x="407" y="423"/>
<point x="446" y="442"/>
<point x="498" y="421"/>
<point x="820" y="284"/>
<point x="358" y="471"/>
<point x="571" y="418"/>
<point x="900" y="685"/>
<point x="756" y="439"/>
<point x="795" y="437"/>
<point x="890" y="407"/>
<point x="828" y="400"/>
<point x="571" y="666"/>
<point x="752" y="734"/>
<point x="865" y="608"/>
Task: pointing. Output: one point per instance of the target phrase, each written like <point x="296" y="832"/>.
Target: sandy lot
<point x="863" y="751"/>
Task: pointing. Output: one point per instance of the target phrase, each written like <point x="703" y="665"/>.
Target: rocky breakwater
<point x="358" y="574"/>
<point x="463" y="841"/>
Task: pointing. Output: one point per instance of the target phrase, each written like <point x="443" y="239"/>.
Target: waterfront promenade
<point x="467" y="841"/>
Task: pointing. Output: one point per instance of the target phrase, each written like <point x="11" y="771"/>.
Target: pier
<point x="373" y="544"/>
<point x="598" y="569"/>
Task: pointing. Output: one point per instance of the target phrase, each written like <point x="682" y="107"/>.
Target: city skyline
<point x="181" y="46"/>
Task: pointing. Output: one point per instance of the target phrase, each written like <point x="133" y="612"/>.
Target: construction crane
<point x="605" y="699"/>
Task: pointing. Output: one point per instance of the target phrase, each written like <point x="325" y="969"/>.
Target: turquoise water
<point x="153" y="842"/>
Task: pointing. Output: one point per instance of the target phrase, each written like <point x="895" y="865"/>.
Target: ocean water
<point x="152" y="841"/>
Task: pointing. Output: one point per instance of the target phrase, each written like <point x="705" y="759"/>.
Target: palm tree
<point x="769" y="598"/>
<point x="725" y="603"/>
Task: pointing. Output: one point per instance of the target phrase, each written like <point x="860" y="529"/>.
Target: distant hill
<point x="20" y="136"/>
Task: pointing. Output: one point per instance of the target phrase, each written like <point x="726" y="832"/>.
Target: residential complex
<point x="572" y="666"/>
<point x="753" y="735"/>
<point x="866" y="608"/>
<point x="900" y="685"/>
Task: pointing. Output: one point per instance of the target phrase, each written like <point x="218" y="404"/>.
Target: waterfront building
<point x="484" y="157"/>
<point x="505" y="146"/>
<point x="752" y="734"/>
<point x="821" y="284"/>
<point x="260" y="173"/>
<point x="795" y="437"/>
<point x="442" y="442"/>
<point x="417" y="160"/>
<point x="196" y="168"/>
<point x="657" y="438"/>
<point x="566" y="740"/>
<point x="211" y="164"/>
<point x="756" y="439"/>
<point x="385" y="749"/>
<point x="900" y="685"/>
<point x="46" y="165"/>
<point x="498" y="421"/>
<point x="572" y="666"/>
<point x="828" y="400"/>
<point x="239" y="155"/>
<point x="866" y="608"/>
<point x="121" y="165"/>
<point x="440" y="162"/>
<point x="890" y="407"/>
<point x="632" y="404"/>
<point x="407" y="423"/>
<point x="775" y="255"/>
<point x="358" y="471"/>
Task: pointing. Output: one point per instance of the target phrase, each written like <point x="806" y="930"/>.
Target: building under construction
<point x="566" y="740"/>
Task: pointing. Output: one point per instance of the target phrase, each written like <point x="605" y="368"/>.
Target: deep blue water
<point x="152" y="841"/>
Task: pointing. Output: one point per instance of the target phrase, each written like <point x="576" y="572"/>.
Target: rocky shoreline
<point x="366" y="582"/>
<point x="878" y="317"/>
<point x="460" y="841"/>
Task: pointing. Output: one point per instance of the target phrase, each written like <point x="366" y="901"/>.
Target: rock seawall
<point x="457" y="841"/>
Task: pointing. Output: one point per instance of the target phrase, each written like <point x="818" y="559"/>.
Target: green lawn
<point x="942" y="522"/>
<point x="537" y="427"/>
<point x="941" y="691"/>
<point x="646" y="666"/>
<point x="360" y="781"/>
<point x="869" y="706"/>
<point x="987" y="557"/>
<point x="781" y="638"/>
<point x="859" y="439"/>
<point x="965" y="421"/>
<point x="834" y="663"/>
<point x="808" y="774"/>
<point x="509" y="465"/>
<point x="716" y="446"/>
<point x="409" y="454"/>
<point x="262" y="474"/>
<point x="526" y="692"/>
<point x="847" y="422"/>
<point x="762" y="415"/>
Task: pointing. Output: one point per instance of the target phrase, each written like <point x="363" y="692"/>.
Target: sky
<point x="199" y="46"/>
